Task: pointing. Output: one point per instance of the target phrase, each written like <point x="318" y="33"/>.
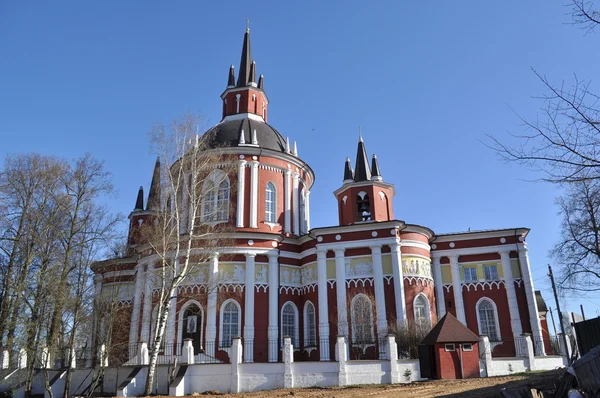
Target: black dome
<point x="227" y="134"/>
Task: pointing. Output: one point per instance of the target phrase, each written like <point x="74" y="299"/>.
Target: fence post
<point x="236" y="360"/>
<point x="143" y="354"/>
<point x="485" y="354"/>
<point x="46" y="360"/>
<point x="103" y="356"/>
<point x="22" y="358"/>
<point x="393" y="358"/>
<point x="187" y="356"/>
<point x="530" y="351"/>
<point x="5" y="360"/>
<point x="288" y="359"/>
<point x="341" y="356"/>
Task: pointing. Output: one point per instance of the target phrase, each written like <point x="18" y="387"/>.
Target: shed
<point x="449" y="351"/>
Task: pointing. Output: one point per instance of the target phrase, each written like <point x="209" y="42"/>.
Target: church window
<point x="363" y="206"/>
<point x="215" y="198"/>
<point x="362" y="319"/>
<point x="271" y="203"/>
<point x="230" y="322"/>
<point x="421" y="311"/>
<point x="289" y="323"/>
<point x="310" y="325"/>
<point x="488" y="319"/>
<point x="491" y="272"/>
<point x="470" y="274"/>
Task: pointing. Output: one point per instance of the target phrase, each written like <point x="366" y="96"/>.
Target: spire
<point x="139" y="203"/>
<point x="348" y="172"/>
<point x="252" y="78"/>
<point x="375" y="173"/>
<point x="246" y="61"/>
<point x="242" y="138"/>
<point x="154" y="195"/>
<point x="261" y="82"/>
<point x="231" y="80"/>
<point x="362" y="170"/>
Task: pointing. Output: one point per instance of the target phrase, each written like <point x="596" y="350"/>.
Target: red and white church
<point x="281" y="277"/>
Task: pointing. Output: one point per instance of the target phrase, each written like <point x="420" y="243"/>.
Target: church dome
<point x="228" y="133"/>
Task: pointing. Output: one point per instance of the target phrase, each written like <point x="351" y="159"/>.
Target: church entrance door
<point x="192" y="326"/>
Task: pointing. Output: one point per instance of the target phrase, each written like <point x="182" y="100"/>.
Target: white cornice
<point x="380" y="184"/>
<point x="357" y="227"/>
<point x="245" y="88"/>
<point x="476" y="250"/>
<point x="240" y="116"/>
<point x="355" y="244"/>
<point x="496" y="233"/>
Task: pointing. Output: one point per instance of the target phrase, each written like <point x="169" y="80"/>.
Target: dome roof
<point x="227" y="134"/>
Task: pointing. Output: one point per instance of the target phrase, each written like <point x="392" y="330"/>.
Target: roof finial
<point x="360" y="134"/>
<point x="247" y="25"/>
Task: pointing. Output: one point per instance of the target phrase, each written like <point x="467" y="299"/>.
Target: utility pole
<point x="553" y="324"/>
<point x="582" y="313"/>
<point x="560" y="317"/>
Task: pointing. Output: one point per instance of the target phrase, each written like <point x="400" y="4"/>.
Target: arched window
<point x="289" y="323"/>
<point x="362" y="319"/>
<point x="230" y="322"/>
<point x="487" y="318"/>
<point x="215" y="198"/>
<point x="310" y="325"/>
<point x="191" y="321"/>
<point x="363" y="206"/>
<point x="271" y="203"/>
<point x="422" y="312"/>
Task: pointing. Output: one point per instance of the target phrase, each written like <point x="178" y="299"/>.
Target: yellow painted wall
<point x="515" y="268"/>
<point x="331" y="269"/>
<point x="446" y="274"/>
<point x="386" y="261"/>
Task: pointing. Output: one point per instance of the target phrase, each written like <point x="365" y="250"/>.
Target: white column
<point x="147" y="310"/>
<point x="254" y="194"/>
<point x="340" y="281"/>
<point x="249" y="309"/>
<point x="296" y="203"/>
<point x="137" y="300"/>
<point x="273" y="302"/>
<point x="457" y="287"/>
<point x="307" y="210"/>
<point x="287" y="203"/>
<point x="536" y="327"/>
<point x="211" y="310"/>
<point x="379" y="292"/>
<point x="439" y="286"/>
<point x="323" y="305"/>
<point x="241" y="192"/>
<point x="398" y="284"/>
<point x="509" y="284"/>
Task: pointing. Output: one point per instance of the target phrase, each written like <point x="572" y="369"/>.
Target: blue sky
<point x="427" y="82"/>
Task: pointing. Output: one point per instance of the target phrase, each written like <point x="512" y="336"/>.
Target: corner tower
<point x="364" y="196"/>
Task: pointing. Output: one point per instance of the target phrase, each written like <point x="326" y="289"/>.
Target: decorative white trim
<point x="241" y="116"/>
<point x="358" y="281"/>
<point x="254" y="194"/>
<point x="518" y="281"/>
<point x="388" y="279"/>
<point x="418" y="280"/>
<point x="447" y="286"/>
<point x="191" y="289"/>
<point x="233" y="286"/>
<point x="262" y="286"/>
<point x="297" y="290"/>
<point x="309" y="288"/>
<point x="331" y="283"/>
<point x="483" y="284"/>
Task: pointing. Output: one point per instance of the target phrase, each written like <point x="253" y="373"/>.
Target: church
<point x="360" y="278"/>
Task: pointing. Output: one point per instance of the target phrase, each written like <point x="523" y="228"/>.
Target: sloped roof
<point x="450" y="330"/>
<point x="541" y="303"/>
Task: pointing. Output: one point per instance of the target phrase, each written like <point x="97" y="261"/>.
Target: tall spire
<point x="231" y="80"/>
<point x="246" y="61"/>
<point x="139" y="203"/>
<point x="375" y="173"/>
<point x="261" y="82"/>
<point x="348" y="172"/>
<point x="252" y="78"/>
<point x="362" y="171"/>
<point x="154" y="195"/>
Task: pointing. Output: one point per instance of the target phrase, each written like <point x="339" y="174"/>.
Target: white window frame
<point x="470" y="279"/>
<point x="353" y="320"/>
<point x="181" y="320"/>
<point x="449" y="347"/>
<point x="296" y="336"/>
<point x="496" y="318"/>
<point x="307" y="329"/>
<point x="272" y="220"/>
<point x="464" y="347"/>
<point x="213" y="182"/>
<point x="485" y="274"/>
<point x="427" y="309"/>
<point x="239" y="323"/>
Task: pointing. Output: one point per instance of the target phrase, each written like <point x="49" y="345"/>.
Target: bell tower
<point x="364" y="197"/>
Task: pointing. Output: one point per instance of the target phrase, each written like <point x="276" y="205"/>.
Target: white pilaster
<point x="249" y="309"/>
<point x="509" y="284"/>
<point x="534" y="318"/>
<point x="137" y="300"/>
<point x="240" y="193"/>
<point x="273" y="295"/>
<point x="307" y="210"/>
<point x="439" y="287"/>
<point x="186" y="205"/>
<point x="323" y="304"/>
<point x="296" y="203"/>
<point x="457" y="287"/>
<point x="211" y="310"/>
<point x="254" y="194"/>
<point x="287" y="203"/>
<point x="340" y="281"/>
<point x="398" y="284"/>
<point x="147" y="310"/>
<point x="379" y="292"/>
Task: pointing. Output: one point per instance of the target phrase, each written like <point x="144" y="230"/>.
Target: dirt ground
<point x="485" y="387"/>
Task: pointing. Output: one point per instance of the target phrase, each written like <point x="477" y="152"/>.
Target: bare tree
<point x="564" y="145"/>
<point x="192" y="203"/>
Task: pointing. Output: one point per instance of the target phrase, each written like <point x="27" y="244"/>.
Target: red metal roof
<point x="450" y="330"/>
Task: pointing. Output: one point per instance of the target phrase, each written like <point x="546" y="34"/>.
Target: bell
<point x="364" y="207"/>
